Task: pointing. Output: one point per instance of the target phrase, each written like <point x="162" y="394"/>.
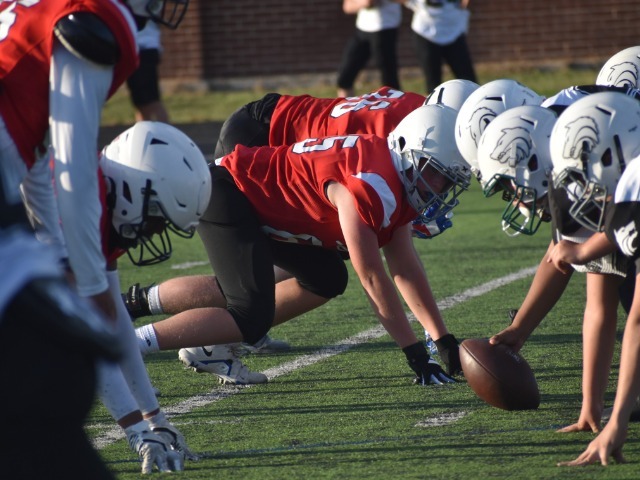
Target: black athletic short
<point x="242" y="257"/>
<point x="144" y="83"/>
<point x="249" y="125"/>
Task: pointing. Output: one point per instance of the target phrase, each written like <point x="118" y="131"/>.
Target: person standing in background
<point x="144" y="83"/>
<point x="376" y="34"/>
<point x="440" y="35"/>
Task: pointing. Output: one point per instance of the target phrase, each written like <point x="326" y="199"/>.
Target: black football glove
<point x="427" y="370"/>
<point x="449" y="352"/>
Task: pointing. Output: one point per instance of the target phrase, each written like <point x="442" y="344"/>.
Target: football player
<point x="59" y="62"/>
<point x="40" y="310"/>
<point x="301" y="207"/>
<point x="154" y="180"/>
<point x="282" y="120"/>
<point x="276" y="119"/>
<point x="606" y="114"/>
<point x="607" y="201"/>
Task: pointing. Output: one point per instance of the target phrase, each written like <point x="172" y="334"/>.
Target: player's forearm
<point x="545" y="290"/>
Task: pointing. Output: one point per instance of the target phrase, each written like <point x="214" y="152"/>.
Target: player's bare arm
<point x="566" y="252"/>
<point x="410" y="277"/>
<point x="367" y="262"/>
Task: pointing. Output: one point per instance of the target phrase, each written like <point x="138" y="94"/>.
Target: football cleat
<point x="266" y="345"/>
<point x="221" y="361"/>
<point x="136" y="301"/>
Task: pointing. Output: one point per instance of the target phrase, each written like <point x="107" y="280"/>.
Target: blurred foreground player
<point x="38" y="310"/>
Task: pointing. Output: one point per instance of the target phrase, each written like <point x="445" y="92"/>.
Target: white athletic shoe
<point x="266" y="345"/>
<point x="220" y="360"/>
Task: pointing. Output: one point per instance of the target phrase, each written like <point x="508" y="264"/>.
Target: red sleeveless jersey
<point x="26" y="44"/>
<point x="286" y="185"/>
<point x="296" y="118"/>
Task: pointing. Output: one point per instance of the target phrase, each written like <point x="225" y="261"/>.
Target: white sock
<point x="153" y="299"/>
<point x="147" y="340"/>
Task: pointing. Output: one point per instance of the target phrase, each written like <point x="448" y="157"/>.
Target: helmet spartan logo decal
<point x="581" y="136"/>
<point x="479" y="120"/>
<point x="626" y="238"/>
<point x="623" y="74"/>
<point x="513" y="147"/>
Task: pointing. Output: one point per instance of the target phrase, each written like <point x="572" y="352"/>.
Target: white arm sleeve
<point x="78" y="91"/>
<point x="40" y="201"/>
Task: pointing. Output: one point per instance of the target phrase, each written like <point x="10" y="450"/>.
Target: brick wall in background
<point x="253" y="38"/>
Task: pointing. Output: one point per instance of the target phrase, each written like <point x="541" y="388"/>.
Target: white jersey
<point x="628" y="188"/>
<point x="567" y="96"/>
<point x="149" y="38"/>
<point x="439" y="21"/>
<point x="386" y="15"/>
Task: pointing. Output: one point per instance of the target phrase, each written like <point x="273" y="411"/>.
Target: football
<point x="498" y="375"/>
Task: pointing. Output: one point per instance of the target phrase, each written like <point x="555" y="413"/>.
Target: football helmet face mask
<point x="426" y="158"/>
<point x="514" y="158"/>
<point x="158" y="182"/>
<point x="591" y="143"/>
<point x="166" y="12"/>
<point x="621" y="70"/>
<point x="481" y="107"/>
<point x="452" y="93"/>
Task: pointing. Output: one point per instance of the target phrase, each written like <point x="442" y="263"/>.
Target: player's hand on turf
<point x="581" y="426"/>
<point x="607" y="444"/>
<point x="431" y="373"/>
<point x="153" y="450"/>
<point x="449" y="351"/>
<point x="174" y="437"/>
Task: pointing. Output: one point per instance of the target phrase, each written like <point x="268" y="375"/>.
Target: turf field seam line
<point x="114" y="433"/>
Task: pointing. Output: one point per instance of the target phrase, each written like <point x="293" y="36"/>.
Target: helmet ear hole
<point x="401" y="143"/>
<point x="533" y="163"/>
<point x="126" y="192"/>
<point x="606" y="158"/>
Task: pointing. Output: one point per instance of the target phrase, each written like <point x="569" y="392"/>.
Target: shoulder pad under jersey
<point x="85" y="35"/>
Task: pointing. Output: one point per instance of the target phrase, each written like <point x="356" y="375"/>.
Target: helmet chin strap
<point x="506" y="228"/>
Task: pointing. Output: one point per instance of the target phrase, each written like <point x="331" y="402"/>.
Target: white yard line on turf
<point x="114" y="433"/>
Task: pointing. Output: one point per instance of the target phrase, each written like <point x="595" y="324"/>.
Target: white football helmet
<point x="621" y="70"/>
<point x="514" y="158"/>
<point x="482" y="106"/>
<point x="591" y="143"/>
<point x="166" y="12"/>
<point x="452" y="93"/>
<point x="422" y="144"/>
<point x="155" y="175"/>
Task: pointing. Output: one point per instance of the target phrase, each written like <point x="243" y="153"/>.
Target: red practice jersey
<point x="296" y="118"/>
<point x="26" y="45"/>
<point x="286" y="186"/>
